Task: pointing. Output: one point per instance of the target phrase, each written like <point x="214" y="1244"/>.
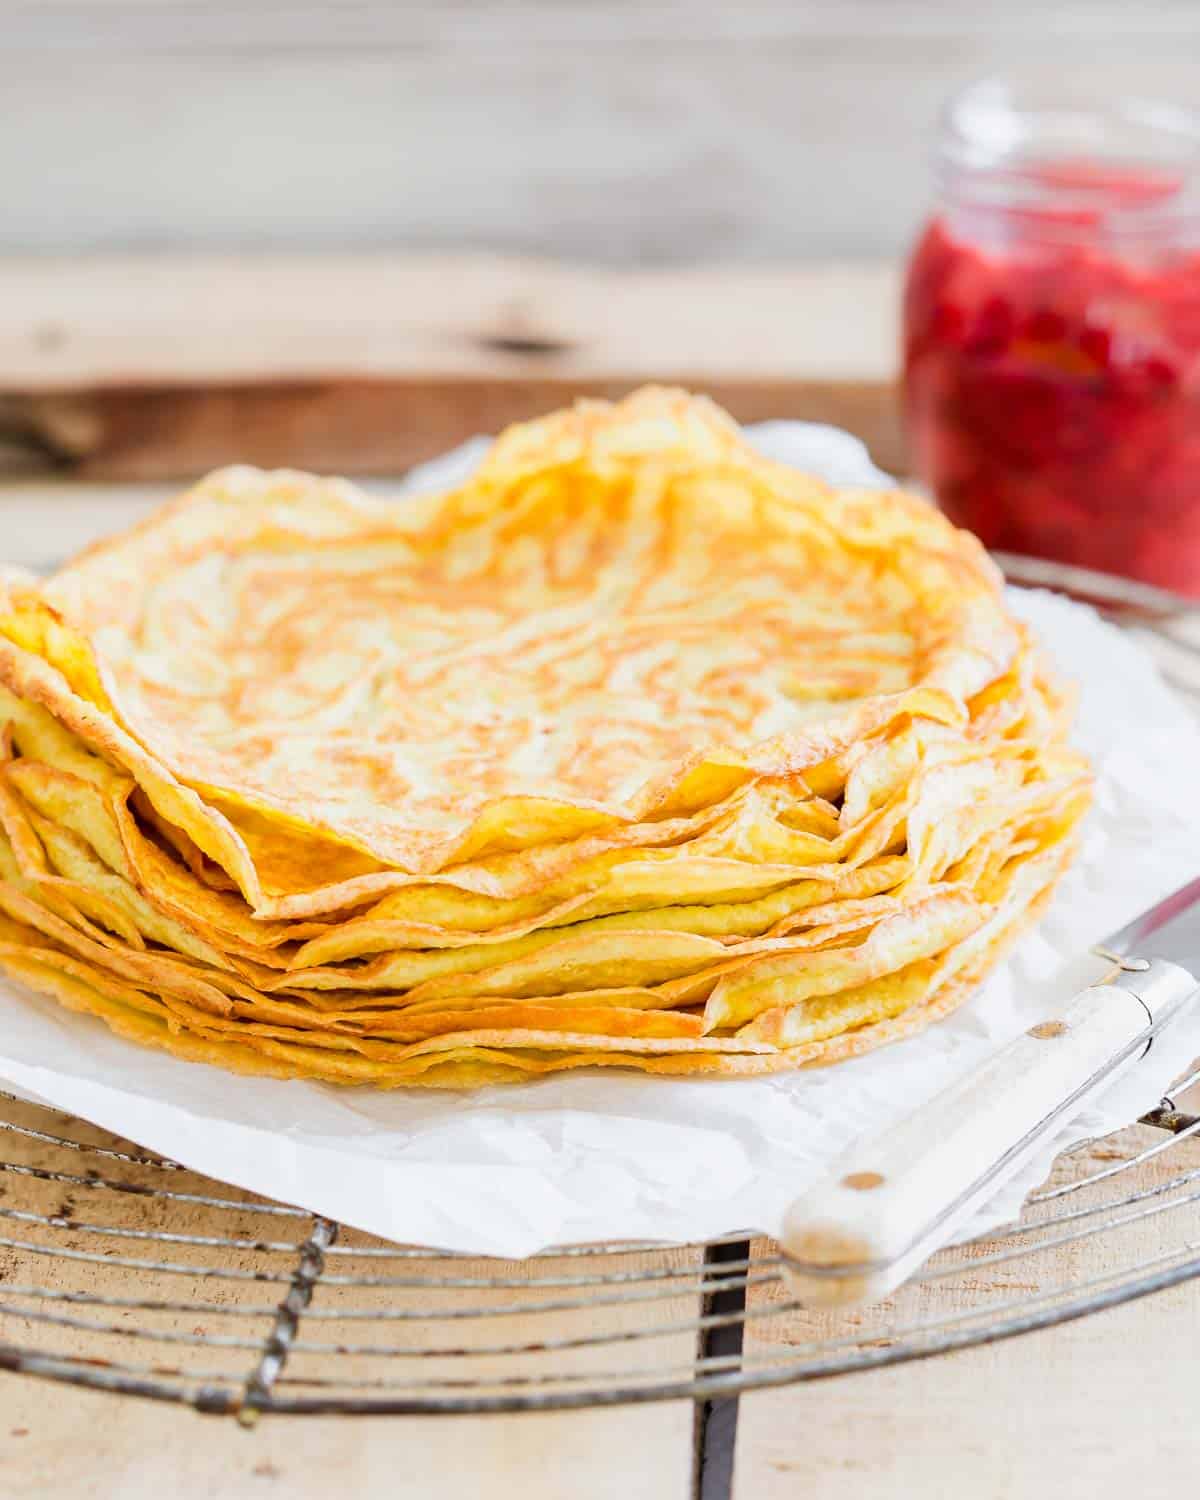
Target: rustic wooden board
<point x="152" y="368"/>
<point x="379" y="426"/>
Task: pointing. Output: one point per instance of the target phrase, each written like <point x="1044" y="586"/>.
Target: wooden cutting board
<point x="152" y="368"/>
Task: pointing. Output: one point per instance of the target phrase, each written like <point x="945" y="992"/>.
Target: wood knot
<point x="528" y="344"/>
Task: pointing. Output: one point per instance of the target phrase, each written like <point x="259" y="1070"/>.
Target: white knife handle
<point x="894" y="1199"/>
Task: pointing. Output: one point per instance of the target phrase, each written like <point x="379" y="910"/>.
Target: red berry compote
<point x="1052" y="332"/>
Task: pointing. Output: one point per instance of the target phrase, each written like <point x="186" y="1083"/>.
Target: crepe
<point x="635" y="750"/>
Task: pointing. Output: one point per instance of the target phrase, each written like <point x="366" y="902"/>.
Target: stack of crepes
<point x="637" y="750"/>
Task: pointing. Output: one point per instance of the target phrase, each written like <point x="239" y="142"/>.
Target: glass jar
<point x="1052" y="330"/>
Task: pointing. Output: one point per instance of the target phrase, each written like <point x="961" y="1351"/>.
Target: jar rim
<point x="1014" y="143"/>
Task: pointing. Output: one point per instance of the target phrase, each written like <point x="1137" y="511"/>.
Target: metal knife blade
<point x="1169" y="930"/>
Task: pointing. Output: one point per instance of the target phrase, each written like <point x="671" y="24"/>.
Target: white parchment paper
<point x="599" y="1156"/>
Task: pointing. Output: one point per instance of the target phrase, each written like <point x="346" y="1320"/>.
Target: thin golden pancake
<point x="636" y="750"/>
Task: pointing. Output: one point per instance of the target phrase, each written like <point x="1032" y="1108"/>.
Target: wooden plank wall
<point x="618" y="131"/>
<point x="347" y="234"/>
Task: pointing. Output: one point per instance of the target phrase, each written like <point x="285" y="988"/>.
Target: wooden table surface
<point x="1104" y="1408"/>
<point x="1101" y="1408"/>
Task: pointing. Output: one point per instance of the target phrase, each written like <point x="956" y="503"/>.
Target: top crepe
<point x="624" y="617"/>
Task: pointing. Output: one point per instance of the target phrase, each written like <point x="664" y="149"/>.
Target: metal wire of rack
<point x="127" y="1273"/>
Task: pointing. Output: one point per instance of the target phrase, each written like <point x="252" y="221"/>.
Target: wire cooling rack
<point x="124" y="1272"/>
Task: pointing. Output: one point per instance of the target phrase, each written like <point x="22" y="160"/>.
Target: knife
<point x="892" y="1200"/>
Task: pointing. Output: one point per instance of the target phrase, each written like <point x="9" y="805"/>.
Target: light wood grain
<point x="1102" y="1408"/>
<point x="144" y="368"/>
<point x="118" y="321"/>
<point x="1099" y="1410"/>
<point x="597" y="129"/>
<point x="82" y="1444"/>
<point x="62" y="1441"/>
